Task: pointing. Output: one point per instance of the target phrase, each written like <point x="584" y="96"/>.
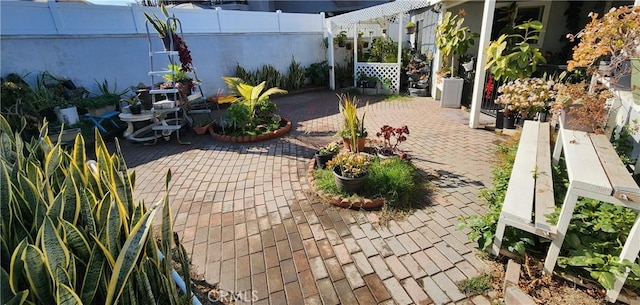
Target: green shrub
<point x="393" y="179"/>
<point x="292" y="79"/>
<point x="319" y="73"/>
<point x="72" y="230"/>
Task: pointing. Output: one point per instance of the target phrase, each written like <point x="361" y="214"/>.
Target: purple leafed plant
<point x="387" y="133"/>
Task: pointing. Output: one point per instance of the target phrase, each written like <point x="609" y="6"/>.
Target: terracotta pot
<point x="361" y="143"/>
<point x="201" y="129"/>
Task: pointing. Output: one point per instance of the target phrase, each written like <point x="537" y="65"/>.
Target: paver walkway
<point x="244" y="213"/>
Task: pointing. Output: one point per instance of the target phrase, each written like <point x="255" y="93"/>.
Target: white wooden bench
<point x="595" y="171"/>
<point x="529" y="196"/>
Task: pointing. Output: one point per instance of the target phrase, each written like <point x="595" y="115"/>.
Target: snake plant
<point x="71" y="230"/>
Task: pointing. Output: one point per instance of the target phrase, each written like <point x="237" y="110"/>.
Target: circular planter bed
<point x="284" y="129"/>
<point x="343" y="202"/>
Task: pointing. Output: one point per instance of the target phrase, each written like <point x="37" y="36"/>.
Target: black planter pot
<point x="349" y="185"/>
<point x="499" y="119"/>
<point x="145" y="97"/>
<point x="509" y="122"/>
<point x="137" y="109"/>
<point x="321" y="160"/>
<point x="543" y="116"/>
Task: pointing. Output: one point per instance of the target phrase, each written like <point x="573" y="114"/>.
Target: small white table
<point x="595" y="171"/>
<point x="157" y="122"/>
<point x="132" y="134"/>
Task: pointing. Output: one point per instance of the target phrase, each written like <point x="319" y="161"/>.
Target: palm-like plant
<point x="353" y="126"/>
<point x="252" y="95"/>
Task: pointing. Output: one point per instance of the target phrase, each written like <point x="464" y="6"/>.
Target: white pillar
<point x="437" y="59"/>
<point x="355" y="53"/>
<point x="478" y="84"/>
<point x="330" y="60"/>
<point x="400" y="43"/>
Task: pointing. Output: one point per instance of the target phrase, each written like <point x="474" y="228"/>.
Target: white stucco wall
<point x="124" y="58"/>
<point x="118" y="51"/>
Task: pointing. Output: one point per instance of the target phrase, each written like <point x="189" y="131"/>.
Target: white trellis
<point x="375" y="17"/>
<point x="381" y="71"/>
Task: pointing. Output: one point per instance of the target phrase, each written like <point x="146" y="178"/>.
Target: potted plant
<point x="143" y="91"/>
<point x="386" y="83"/>
<point x="326" y="153"/>
<point x="411" y="27"/>
<point x="202" y="127"/>
<point x="180" y="80"/>
<point x="253" y="114"/>
<point x="104" y="102"/>
<point x="353" y="131"/>
<point x="366" y="81"/>
<point x="580" y="108"/>
<point x="453" y="39"/>
<point x="166" y="30"/>
<point x="524" y="98"/>
<point x="512" y="56"/>
<point x="360" y="34"/>
<point x="135" y="105"/>
<point x="614" y="37"/>
<point x="64" y="96"/>
<point x="386" y="133"/>
<point x="350" y="170"/>
<point x="340" y="39"/>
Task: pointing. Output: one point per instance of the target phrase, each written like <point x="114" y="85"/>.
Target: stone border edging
<point x="347" y="203"/>
<point x="248" y="139"/>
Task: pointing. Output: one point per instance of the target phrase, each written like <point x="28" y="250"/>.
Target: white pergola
<point x="375" y="16"/>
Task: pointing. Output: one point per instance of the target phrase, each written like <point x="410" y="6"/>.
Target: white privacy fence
<point x="45" y="18"/>
<point x="86" y="42"/>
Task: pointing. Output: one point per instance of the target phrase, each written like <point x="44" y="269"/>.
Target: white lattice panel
<point x="381" y="71"/>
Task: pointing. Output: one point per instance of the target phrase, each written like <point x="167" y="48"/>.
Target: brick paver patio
<point x="245" y="213"/>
